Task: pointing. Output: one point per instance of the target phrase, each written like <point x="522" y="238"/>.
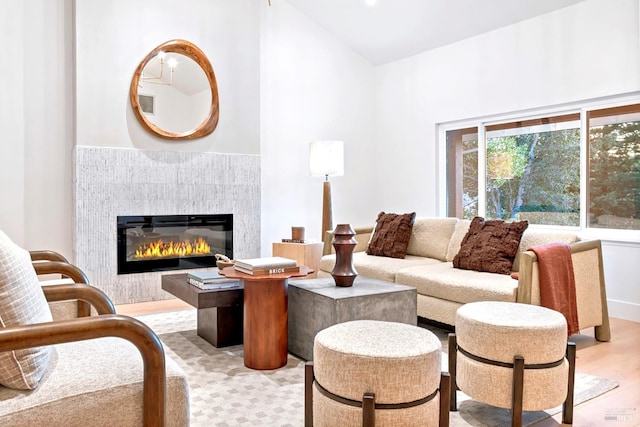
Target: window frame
<point x="481" y="123"/>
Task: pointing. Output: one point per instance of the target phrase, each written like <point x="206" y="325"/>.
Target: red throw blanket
<point x="557" y="282"/>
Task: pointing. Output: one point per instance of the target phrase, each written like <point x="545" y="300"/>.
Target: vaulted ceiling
<point x="390" y="30"/>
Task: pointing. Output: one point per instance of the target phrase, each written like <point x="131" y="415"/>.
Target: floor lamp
<point x="326" y="158"/>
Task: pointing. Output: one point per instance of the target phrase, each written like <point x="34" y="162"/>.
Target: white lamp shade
<point x="326" y="158"/>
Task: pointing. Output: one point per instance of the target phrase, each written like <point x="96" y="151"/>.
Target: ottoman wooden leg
<point x="518" y="391"/>
<point x="368" y="410"/>
<point x="453" y="348"/>
<point x="567" y="406"/>
<point x="308" y="394"/>
<point x="445" y="397"/>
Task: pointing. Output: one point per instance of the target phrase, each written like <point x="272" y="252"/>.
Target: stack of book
<point x="207" y="280"/>
<point x="269" y="265"/>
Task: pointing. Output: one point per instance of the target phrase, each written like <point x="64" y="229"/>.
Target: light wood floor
<point x="617" y="360"/>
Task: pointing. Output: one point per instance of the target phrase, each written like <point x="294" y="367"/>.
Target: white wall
<point x="312" y="87"/>
<point x="114" y="36"/>
<point x="37" y="118"/>
<point x="12" y="121"/>
<point x="111" y="40"/>
<point x="589" y="50"/>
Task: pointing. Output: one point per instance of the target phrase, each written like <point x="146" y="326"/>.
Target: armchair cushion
<point x="21" y="302"/>
<point x="96" y="382"/>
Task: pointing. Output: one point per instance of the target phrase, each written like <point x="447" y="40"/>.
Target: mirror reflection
<point x="174" y="93"/>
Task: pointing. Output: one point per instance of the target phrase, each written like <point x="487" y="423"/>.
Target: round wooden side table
<point x="265" y="317"/>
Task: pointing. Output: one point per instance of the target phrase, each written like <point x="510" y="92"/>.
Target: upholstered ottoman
<point x="513" y="356"/>
<point x="370" y="372"/>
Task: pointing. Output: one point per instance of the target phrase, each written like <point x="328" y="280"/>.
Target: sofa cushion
<point x="376" y="267"/>
<point x="430" y="237"/>
<point x="490" y="245"/>
<point x="453" y="284"/>
<point x="532" y="238"/>
<point x="21" y="302"/>
<point x="459" y="231"/>
<point x="86" y="381"/>
<point x="391" y="235"/>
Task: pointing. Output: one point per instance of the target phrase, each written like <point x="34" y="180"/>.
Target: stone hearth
<point x="111" y="181"/>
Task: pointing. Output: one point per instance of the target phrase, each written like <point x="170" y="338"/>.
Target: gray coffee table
<point x="316" y="304"/>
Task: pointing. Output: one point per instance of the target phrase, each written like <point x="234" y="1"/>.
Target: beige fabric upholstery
<point x="96" y="382"/>
<point x="430" y="237"/>
<point x="21" y="302"/>
<point x="588" y="284"/>
<point x="377" y="267"/>
<point x="532" y="237"/>
<point x="543" y="388"/>
<point x="437" y="309"/>
<point x="61" y="309"/>
<point x="500" y="331"/>
<point x="400" y="363"/>
<point x="448" y="283"/>
<point x="329" y="413"/>
<point x="460" y="230"/>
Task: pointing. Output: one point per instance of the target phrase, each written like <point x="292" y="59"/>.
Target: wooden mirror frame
<point x="189" y="50"/>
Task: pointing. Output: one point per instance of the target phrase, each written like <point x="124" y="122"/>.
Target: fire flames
<point x="160" y="249"/>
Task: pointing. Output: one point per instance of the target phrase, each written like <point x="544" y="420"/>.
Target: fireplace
<point x="172" y="242"/>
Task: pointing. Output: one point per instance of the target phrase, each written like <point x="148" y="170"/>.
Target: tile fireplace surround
<point x="113" y="181"/>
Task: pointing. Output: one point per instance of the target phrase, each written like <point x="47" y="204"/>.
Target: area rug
<point x="225" y="393"/>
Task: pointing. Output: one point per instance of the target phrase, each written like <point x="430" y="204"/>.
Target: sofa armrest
<point x="363" y="234"/>
<point x="591" y="295"/>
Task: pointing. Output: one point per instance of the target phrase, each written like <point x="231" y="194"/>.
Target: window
<point x="531" y="169"/>
<point x="614" y="168"/>
<point x="462" y="175"/>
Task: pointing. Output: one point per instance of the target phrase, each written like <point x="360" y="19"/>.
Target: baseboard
<point x="624" y="310"/>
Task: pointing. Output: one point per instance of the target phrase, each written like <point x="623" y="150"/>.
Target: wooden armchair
<point x="76" y="391"/>
<point x="48" y="262"/>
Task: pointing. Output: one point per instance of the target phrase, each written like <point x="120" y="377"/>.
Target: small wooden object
<point x="344" y="243"/>
<point x="297" y="233"/>
<point x="308" y="254"/>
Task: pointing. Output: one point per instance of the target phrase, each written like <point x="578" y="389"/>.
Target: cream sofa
<point x="442" y="289"/>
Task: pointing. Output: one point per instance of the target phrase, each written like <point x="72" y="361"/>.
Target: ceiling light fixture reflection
<point x="158" y="79"/>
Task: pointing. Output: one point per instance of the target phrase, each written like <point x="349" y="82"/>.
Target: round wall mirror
<point x="174" y="94"/>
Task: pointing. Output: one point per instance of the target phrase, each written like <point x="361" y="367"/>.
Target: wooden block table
<point x="308" y="254"/>
<point x="219" y="310"/>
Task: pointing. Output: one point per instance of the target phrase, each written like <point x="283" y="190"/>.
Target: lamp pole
<point x="327" y="214"/>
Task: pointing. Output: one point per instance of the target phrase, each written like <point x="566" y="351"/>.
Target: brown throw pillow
<point x="391" y="236"/>
<point x="490" y="245"/>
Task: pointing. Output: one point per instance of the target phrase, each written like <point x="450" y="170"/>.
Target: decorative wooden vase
<point x="344" y="243"/>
